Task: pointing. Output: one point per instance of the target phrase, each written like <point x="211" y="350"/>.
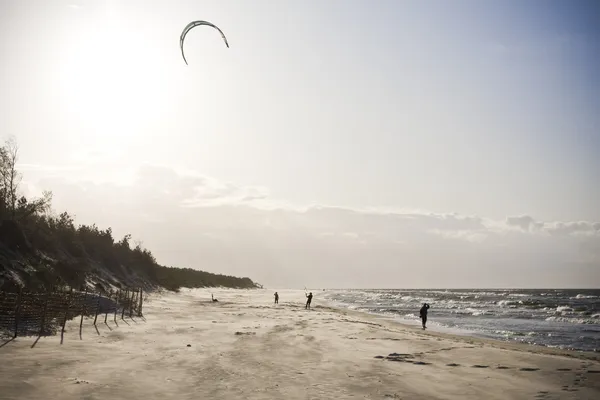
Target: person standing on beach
<point x="309" y="299"/>
<point x="423" y="313"/>
<point x="276" y="298"/>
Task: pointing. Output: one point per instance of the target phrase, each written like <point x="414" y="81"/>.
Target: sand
<point x="244" y="347"/>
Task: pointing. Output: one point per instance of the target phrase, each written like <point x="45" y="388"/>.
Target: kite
<point x="194" y="24"/>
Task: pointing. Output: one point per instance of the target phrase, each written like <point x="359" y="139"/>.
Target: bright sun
<point x="106" y="86"/>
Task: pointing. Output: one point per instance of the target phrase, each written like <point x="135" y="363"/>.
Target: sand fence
<point x="46" y="313"/>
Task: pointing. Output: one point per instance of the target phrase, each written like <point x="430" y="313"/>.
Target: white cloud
<point x="573" y="228"/>
<point x="524" y="223"/>
<point x="469" y="236"/>
<point x="527" y="223"/>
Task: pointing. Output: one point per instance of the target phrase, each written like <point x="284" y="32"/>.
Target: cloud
<point x="524" y="222"/>
<point x="190" y="219"/>
<point x="469" y="236"/>
<point x="189" y="189"/>
<point x="573" y="228"/>
<point x="528" y="224"/>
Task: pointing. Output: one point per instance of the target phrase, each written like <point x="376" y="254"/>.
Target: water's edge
<point x="464" y="336"/>
<point x="567" y="319"/>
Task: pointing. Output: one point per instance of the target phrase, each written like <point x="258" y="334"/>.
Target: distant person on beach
<point x="276" y="298"/>
<point x="309" y="299"/>
<point x="423" y="313"/>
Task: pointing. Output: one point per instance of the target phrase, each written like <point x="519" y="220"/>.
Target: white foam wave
<point x="584" y="296"/>
<point x="564" y="309"/>
<point x="571" y="320"/>
<point x="508" y="303"/>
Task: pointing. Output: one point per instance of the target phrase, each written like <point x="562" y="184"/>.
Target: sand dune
<point x="244" y="347"/>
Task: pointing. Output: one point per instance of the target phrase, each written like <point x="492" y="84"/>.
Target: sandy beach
<point x="244" y="347"/>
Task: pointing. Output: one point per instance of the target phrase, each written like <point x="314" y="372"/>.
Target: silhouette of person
<point x="276" y="298"/>
<point x="309" y="299"/>
<point x="423" y="313"/>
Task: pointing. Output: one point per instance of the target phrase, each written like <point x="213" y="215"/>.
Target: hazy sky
<point x="335" y="143"/>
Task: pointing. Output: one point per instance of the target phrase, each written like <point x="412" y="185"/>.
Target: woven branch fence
<point x="46" y="313"/>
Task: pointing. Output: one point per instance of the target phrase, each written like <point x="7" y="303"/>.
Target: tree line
<point x="40" y="249"/>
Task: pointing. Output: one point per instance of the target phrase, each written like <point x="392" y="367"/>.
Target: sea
<point x="559" y="318"/>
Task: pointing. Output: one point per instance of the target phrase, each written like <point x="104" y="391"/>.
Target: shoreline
<point x="501" y="344"/>
<point x="563" y="321"/>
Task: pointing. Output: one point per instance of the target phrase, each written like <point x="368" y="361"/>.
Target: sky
<point x="334" y="144"/>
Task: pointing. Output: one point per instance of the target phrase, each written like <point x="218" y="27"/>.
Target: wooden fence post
<point x="18" y="311"/>
<point x="97" y="308"/>
<point x="83" y="310"/>
<point x="141" y="302"/>
<point x="106" y="312"/>
<point x="132" y="302"/>
<point x="116" y="304"/>
<point x="126" y="295"/>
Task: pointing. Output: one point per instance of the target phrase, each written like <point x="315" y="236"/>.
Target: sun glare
<point x="108" y="88"/>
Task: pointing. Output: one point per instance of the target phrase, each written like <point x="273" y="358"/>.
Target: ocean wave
<point x="584" y="296"/>
<point x="471" y="311"/>
<point x="564" y="309"/>
<point x="508" y="334"/>
<point x="509" y="303"/>
<point x="573" y="320"/>
<point x="505" y="333"/>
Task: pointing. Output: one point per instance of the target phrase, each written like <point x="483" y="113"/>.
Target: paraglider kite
<point x="194" y="24"/>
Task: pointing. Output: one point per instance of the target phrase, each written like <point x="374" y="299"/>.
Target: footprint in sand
<point x="399" y="357"/>
<point x="480" y="366"/>
<point x="502" y="367"/>
<point x="563" y="369"/>
<point x="78" y="381"/>
<point x="593" y="371"/>
<point x="453" y="365"/>
<point x="568" y="389"/>
<point x="528" y="369"/>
